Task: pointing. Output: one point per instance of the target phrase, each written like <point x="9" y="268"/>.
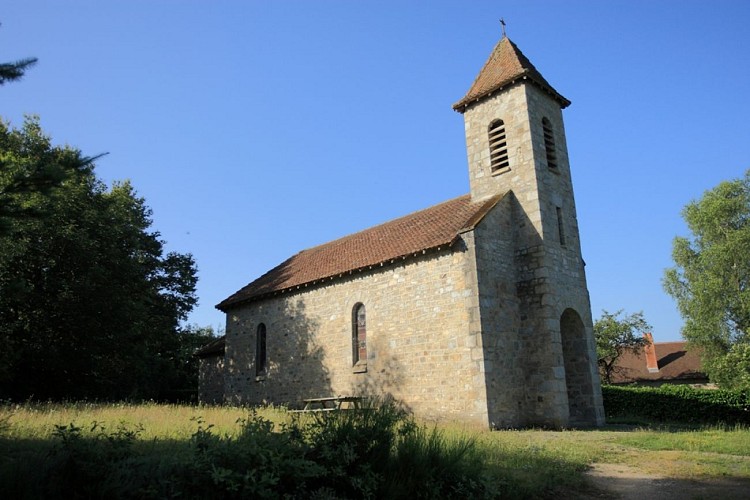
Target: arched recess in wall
<point x="577" y="368"/>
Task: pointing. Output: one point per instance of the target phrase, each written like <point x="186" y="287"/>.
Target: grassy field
<point x="526" y="463"/>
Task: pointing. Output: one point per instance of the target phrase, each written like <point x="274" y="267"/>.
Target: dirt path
<point x="627" y="483"/>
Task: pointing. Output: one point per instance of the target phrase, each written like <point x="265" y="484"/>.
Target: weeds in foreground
<point x="160" y="451"/>
<point x="375" y="452"/>
<point x="5" y="424"/>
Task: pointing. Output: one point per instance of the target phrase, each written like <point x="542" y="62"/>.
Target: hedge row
<point x="678" y="404"/>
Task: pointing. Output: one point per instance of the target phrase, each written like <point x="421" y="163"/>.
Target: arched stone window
<point x="359" y="335"/>
<point x="498" y="146"/>
<point x="261" y="358"/>
<point x="549" y="143"/>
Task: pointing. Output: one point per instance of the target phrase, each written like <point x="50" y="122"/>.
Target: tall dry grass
<point x="37" y="420"/>
<point x="523" y="463"/>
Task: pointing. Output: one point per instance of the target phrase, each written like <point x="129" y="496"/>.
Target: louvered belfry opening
<point x="549" y="143"/>
<point x="498" y="146"/>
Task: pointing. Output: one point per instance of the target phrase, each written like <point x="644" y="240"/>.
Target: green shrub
<point x="375" y="452"/>
<point x="82" y="464"/>
<point x="355" y="446"/>
<point x="678" y="404"/>
<point x="260" y="462"/>
<point x="4" y="424"/>
<point x="429" y="465"/>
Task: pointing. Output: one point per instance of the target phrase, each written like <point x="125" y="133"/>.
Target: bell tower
<point x="515" y="143"/>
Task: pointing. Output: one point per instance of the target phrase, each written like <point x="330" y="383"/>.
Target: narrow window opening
<point x="498" y="146"/>
<point x="359" y="335"/>
<point x="560" y="229"/>
<point x="549" y="143"/>
<point x="261" y="359"/>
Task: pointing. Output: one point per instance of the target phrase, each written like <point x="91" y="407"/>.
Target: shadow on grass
<point x="378" y="453"/>
<point x="86" y="467"/>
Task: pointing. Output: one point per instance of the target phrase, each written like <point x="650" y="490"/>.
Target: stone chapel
<point x="475" y="309"/>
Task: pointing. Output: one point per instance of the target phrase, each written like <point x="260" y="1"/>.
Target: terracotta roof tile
<point x="407" y="236"/>
<point x="675" y="362"/>
<point x="506" y="65"/>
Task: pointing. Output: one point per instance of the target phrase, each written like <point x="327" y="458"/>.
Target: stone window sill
<point x="501" y="171"/>
<point x="260" y="378"/>
<point x="359" y="368"/>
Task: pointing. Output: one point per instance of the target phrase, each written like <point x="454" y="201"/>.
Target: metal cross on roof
<point x="502" y="22"/>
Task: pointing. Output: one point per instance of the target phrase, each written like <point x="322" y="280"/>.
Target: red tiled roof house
<point x="475" y="309"/>
<point x="660" y="363"/>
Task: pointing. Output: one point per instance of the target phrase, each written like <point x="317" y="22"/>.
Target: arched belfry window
<point x="549" y="143"/>
<point x="498" y="146"/>
<point x="261" y="358"/>
<point x="359" y="335"/>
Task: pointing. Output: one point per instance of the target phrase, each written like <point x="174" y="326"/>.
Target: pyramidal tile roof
<point x="414" y="234"/>
<point x="506" y="65"/>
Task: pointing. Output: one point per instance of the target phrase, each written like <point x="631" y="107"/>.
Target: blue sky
<point x="257" y="129"/>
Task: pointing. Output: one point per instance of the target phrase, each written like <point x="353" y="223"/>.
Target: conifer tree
<point x="13" y="71"/>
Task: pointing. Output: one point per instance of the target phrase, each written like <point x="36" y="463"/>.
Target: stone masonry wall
<point x="560" y="276"/>
<point x="549" y="278"/>
<point x="422" y="345"/>
<point x="211" y="379"/>
<point x="511" y="106"/>
<point x="500" y="315"/>
<point x="541" y="395"/>
<point x="495" y="331"/>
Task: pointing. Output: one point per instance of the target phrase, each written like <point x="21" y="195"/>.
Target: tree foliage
<point x="90" y="303"/>
<point x="29" y="165"/>
<point x="39" y="173"/>
<point x="711" y="280"/>
<point x="614" y="336"/>
<point x="182" y="382"/>
<point x="13" y="71"/>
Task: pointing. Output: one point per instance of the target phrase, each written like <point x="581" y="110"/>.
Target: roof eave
<point x="462" y="105"/>
<point x="482" y="212"/>
<point x="216" y="346"/>
<point x="227" y="305"/>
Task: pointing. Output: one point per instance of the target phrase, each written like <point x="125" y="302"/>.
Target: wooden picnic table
<point x="332" y="403"/>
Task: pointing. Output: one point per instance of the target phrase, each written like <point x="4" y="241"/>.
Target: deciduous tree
<point x="90" y="303"/>
<point x="711" y="280"/>
<point x="615" y="335"/>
